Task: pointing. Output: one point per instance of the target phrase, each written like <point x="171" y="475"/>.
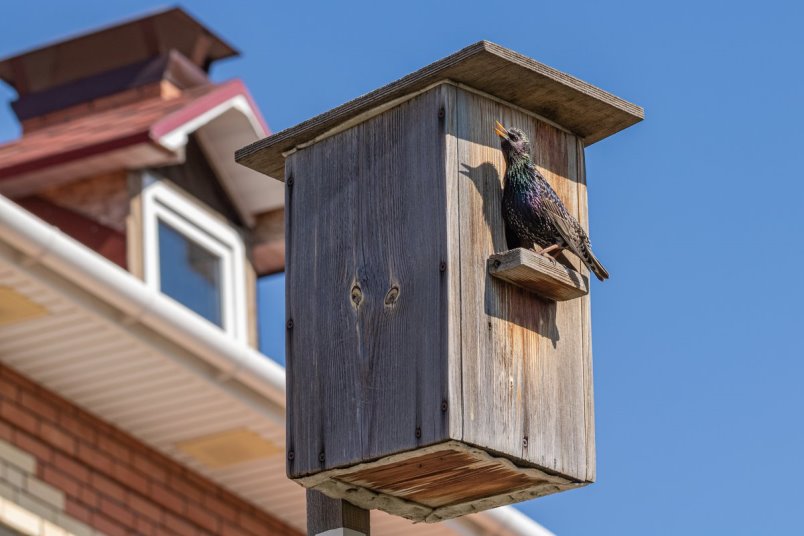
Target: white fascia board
<point x="177" y="138"/>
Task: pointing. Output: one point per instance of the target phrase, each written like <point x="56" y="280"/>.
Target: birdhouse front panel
<point x="525" y="360"/>
<point x="368" y="290"/>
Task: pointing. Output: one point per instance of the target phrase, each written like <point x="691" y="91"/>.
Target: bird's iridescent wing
<point x="563" y="222"/>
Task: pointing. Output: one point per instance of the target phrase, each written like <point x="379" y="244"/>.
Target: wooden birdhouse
<point x="430" y="373"/>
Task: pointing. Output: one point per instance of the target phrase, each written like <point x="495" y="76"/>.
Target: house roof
<point x="224" y="115"/>
<point x="117" y="45"/>
<point x="136" y="122"/>
<point x="103" y="339"/>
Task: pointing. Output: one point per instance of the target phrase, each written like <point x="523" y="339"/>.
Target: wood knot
<point x="357" y="295"/>
<point x="418" y="432"/>
<point x="321" y="457"/>
<point x="391" y="296"/>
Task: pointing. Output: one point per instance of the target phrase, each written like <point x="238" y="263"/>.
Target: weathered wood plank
<point x="400" y="484"/>
<point x="452" y="268"/>
<point x="366" y="294"/>
<point x="534" y="272"/>
<point x="586" y="327"/>
<point x="578" y="106"/>
<point x="325" y="514"/>
<point x="523" y="362"/>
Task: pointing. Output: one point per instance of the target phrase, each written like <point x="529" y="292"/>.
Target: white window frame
<point x="162" y="202"/>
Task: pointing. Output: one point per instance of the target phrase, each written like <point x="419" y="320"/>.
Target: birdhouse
<point x="431" y="373"/>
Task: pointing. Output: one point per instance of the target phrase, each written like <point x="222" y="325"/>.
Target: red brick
<point x="144" y="507"/>
<point x="61" y="481"/>
<point x="216" y="506"/>
<point x="8" y="390"/>
<point x="95" y="458"/>
<point x="33" y="446"/>
<point x="88" y="496"/>
<point x="148" y="467"/>
<point x="202" y="517"/>
<point x="205" y="485"/>
<point x="114" y="448"/>
<point x="78" y="427"/>
<point x="183" y="488"/>
<point x="252" y="523"/>
<point x="18" y="417"/>
<point x="70" y="467"/>
<point x="57" y="438"/>
<point x="77" y="510"/>
<point x="106" y="486"/>
<point x="178" y="525"/>
<point x="167" y="498"/>
<point x="106" y="525"/>
<point x="116" y="511"/>
<point x="232" y="530"/>
<point x="130" y="478"/>
<point x="145" y="527"/>
<point x="5" y="431"/>
<point x="35" y="404"/>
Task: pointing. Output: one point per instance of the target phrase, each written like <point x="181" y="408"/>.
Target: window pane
<point x="190" y="274"/>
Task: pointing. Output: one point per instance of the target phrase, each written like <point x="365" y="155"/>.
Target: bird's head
<point x="514" y="142"/>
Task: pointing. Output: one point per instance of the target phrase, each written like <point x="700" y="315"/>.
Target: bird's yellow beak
<point x="500" y="130"/>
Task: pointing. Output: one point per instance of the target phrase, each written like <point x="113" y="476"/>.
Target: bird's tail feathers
<point x="596" y="267"/>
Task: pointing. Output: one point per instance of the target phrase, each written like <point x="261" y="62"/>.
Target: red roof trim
<point x="224" y="92"/>
<point x="75" y="154"/>
<point x="158" y="129"/>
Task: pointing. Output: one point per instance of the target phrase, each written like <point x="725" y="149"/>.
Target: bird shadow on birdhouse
<point x="487" y="181"/>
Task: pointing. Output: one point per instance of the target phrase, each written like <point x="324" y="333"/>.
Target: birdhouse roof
<point x="588" y="111"/>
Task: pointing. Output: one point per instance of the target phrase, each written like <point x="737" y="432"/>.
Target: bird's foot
<point x="551" y="252"/>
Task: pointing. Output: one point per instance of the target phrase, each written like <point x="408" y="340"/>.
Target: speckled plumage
<point x="533" y="213"/>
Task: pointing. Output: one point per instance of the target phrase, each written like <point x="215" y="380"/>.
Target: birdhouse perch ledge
<point x="538" y="274"/>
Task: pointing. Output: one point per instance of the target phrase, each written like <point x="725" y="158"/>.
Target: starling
<point x="534" y="215"/>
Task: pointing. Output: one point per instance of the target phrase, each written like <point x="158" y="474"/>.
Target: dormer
<point x="127" y="147"/>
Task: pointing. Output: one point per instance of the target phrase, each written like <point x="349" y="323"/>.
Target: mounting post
<point x="335" y="517"/>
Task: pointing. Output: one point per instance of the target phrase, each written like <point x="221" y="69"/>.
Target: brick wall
<point x="111" y="481"/>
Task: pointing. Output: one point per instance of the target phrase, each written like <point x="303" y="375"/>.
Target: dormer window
<point x="193" y="256"/>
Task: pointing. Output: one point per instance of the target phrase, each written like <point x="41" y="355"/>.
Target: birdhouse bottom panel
<point x="438" y="482"/>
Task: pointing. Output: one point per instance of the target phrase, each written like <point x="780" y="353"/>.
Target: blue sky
<point x="696" y="212"/>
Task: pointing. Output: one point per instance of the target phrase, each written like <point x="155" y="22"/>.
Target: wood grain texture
<point x="584" y="109"/>
<point x="325" y="513"/>
<point x="448" y="477"/>
<point x="523" y="362"/>
<point x="400" y="342"/>
<point x="365" y="291"/>
<point x="531" y="271"/>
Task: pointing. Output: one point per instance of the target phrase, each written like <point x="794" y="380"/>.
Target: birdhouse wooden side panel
<point x="525" y="360"/>
<point x="367" y="290"/>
